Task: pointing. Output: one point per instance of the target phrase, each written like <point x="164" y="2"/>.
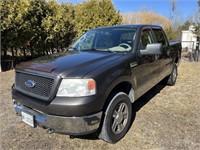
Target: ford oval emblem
<point x="30" y="83"/>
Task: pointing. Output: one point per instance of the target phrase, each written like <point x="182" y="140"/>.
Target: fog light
<point x="16" y="103"/>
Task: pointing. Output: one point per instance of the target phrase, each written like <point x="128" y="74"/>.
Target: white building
<point x="189" y="39"/>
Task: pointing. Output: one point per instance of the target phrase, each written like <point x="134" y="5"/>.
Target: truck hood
<point x="69" y="64"/>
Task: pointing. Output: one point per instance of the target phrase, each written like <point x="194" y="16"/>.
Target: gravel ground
<point x="167" y="118"/>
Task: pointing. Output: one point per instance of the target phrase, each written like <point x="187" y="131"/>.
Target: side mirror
<point x="152" y="49"/>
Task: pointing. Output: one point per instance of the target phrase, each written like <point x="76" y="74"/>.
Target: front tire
<point x="117" y="118"/>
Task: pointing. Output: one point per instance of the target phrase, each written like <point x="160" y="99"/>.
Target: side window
<point x="146" y="38"/>
<point x="160" y="37"/>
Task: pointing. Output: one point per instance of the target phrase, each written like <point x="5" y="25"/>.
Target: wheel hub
<point x="174" y="75"/>
<point x="120" y="117"/>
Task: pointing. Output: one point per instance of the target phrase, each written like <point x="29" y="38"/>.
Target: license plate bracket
<point x="28" y="119"/>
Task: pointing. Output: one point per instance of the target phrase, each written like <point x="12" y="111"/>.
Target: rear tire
<point x="117" y="118"/>
<point x="173" y="76"/>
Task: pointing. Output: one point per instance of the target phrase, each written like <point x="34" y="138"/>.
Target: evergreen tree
<point x="95" y="13"/>
<point x="37" y="27"/>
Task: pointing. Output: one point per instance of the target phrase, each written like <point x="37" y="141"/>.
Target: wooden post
<point x="0" y="53"/>
<point x="0" y="66"/>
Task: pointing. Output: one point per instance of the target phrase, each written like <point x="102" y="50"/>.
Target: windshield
<point x="109" y="39"/>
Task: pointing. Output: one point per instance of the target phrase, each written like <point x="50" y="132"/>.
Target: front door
<point x="145" y="72"/>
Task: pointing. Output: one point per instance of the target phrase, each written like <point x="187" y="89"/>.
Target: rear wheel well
<point x="176" y="60"/>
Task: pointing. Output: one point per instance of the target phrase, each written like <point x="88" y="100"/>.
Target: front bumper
<point x="60" y="124"/>
<point x="62" y="106"/>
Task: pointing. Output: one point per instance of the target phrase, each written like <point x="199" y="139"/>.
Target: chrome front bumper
<point x="60" y="124"/>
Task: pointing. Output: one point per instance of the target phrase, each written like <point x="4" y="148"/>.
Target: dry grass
<point x="167" y="119"/>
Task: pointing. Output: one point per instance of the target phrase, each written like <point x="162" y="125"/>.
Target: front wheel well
<point x="124" y="87"/>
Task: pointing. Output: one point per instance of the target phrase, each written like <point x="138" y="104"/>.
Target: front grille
<point x="43" y="85"/>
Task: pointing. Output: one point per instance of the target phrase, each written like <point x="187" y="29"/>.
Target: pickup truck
<point x="92" y="86"/>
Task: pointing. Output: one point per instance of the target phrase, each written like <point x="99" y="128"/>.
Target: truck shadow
<point x="136" y="106"/>
<point x="143" y="100"/>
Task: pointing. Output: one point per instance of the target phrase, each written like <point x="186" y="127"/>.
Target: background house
<point x="189" y="39"/>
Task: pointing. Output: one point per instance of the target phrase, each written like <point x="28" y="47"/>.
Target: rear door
<point x="164" y="60"/>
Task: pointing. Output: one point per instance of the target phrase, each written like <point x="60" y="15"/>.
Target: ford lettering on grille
<point x="30" y="83"/>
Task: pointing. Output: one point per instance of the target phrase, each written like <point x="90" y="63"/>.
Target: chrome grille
<point x="43" y="85"/>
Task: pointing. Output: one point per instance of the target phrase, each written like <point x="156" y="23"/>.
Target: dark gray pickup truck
<point x="92" y="86"/>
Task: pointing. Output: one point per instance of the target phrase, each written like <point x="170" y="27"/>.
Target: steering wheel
<point x="124" y="45"/>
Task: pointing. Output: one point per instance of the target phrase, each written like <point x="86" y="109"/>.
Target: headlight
<point x="77" y="87"/>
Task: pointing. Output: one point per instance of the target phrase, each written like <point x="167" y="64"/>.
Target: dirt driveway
<point x="167" y="118"/>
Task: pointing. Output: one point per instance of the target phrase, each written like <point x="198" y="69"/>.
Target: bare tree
<point x="173" y="9"/>
<point x="199" y="9"/>
<point x="175" y="16"/>
<point x="197" y="28"/>
<point x="197" y="21"/>
<point x="146" y="16"/>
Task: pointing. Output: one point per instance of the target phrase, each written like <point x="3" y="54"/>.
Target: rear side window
<point x="160" y="37"/>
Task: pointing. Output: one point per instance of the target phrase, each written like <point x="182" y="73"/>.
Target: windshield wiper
<point x="91" y="49"/>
